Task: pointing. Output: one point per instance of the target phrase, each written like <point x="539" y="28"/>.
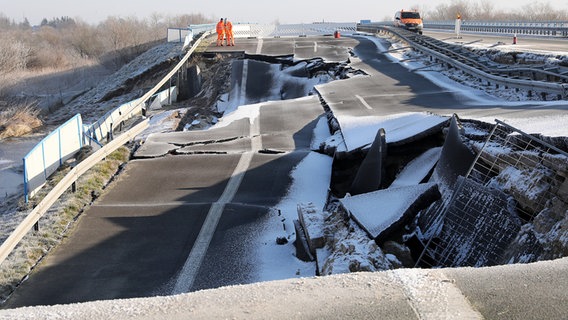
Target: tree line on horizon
<point x="486" y="10"/>
<point x="64" y="42"/>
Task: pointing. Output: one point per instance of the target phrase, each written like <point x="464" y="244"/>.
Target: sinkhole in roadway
<point x="255" y="79"/>
<point x="222" y="82"/>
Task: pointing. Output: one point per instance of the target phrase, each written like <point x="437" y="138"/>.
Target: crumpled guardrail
<point x="33" y="217"/>
<point x="558" y="89"/>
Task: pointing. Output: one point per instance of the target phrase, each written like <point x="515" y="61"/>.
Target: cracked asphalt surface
<point x="135" y="239"/>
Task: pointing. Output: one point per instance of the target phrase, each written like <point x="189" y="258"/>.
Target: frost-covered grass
<point x="55" y="223"/>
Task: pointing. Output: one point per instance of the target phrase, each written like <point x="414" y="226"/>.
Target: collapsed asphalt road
<point x="217" y="188"/>
<point x="136" y="239"/>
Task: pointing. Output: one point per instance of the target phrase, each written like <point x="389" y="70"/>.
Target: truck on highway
<point x="409" y="20"/>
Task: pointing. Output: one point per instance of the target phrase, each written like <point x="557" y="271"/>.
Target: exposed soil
<point x="216" y="80"/>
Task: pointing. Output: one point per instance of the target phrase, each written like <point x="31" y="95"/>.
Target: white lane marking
<point x="363" y="102"/>
<point x="191" y="266"/>
<point x="315" y="46"/>
<point x="432" y="295"/>
<point x="259" y="46"/>
<point x="243" y="92"/>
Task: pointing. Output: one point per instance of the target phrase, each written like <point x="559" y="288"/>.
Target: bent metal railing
<point x="33" y="217"/>
<point x="514" y="178"/>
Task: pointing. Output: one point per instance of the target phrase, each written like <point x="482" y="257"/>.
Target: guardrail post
<point x="109" y="134"/>
<point x="170" y="92"/>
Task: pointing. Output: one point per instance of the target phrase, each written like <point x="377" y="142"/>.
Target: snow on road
<point x="311" y="178"/>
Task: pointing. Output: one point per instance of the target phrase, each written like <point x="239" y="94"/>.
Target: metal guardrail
<point x="50" y="153"/>
<point x="137" y="107"/>
<point x="33" y="217"/>
<point x="497" y="76"/>
<point x="312" y="29"/>
<point x="555" y="29"/>
<point x="200" y="28"/>
<point x="544" y="29"/>
<point x="255" y="30"/>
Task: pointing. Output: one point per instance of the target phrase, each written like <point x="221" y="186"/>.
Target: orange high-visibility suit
<point x="229" y="33"/>
<point x="220" y="32"/>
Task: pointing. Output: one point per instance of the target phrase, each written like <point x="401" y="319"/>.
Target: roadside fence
<point x="74" y="127"/>
<point x="50" y="153"/>
<point x="515" y="177"/>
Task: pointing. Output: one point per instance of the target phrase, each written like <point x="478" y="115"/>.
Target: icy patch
<point x="321" y="134"/>
<point x="550" y="126"/>
<point x="336" y="143"/>
<point x="165" y="121"/>
<point x="251" y="111"/>
<point x="379" y="210"/>
<point x="310" y="182"/>
<point x="417" y="169"/>
<point x="360" y="131"/>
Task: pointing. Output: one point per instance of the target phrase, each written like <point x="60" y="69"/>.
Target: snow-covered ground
<point x="311" y="180"/>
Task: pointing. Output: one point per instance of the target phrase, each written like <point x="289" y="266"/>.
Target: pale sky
<point x="261" y="11"/>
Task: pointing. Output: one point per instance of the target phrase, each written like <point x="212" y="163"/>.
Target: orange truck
<point x="409" y="20"/>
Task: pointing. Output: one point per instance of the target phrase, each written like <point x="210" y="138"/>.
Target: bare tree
<point x="485" y="10"/>
<point x="15" y="54"/>
<point x="542" y="12"/>
<point x="156" y="25"/>
<point x="86" y="40"/>
<point x="65" y="42"/>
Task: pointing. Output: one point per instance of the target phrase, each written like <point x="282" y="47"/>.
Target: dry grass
<point x="18" y="120"/>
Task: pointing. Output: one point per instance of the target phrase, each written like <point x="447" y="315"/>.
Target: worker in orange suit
<point x="220" y="32"/>
<point x="229" y="33"/>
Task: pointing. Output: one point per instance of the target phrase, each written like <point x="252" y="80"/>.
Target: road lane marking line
<point x="315" y="46"/>
<point x="259" y="46"/>
<point x="243" y="92"/>
<point x="363" y="102"/>
<point x="193" y="262"/>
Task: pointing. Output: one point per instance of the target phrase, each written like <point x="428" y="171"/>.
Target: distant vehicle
<point x="409" y="20"/>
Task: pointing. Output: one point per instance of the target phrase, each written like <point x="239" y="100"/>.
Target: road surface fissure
<point x="193" y="262"/>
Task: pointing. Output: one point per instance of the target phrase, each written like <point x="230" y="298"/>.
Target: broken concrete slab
<point x="160" y="144"/>
<point x="381" y="212"/>
<point x="302" y="248"/>
<point x="236" y="145"/>
<point x="312" y="223"/>
<point x="418" y="169"/>
<point x="358" y="131"/>
<point x="370" y="174"/>
<point x="455" y="160"/>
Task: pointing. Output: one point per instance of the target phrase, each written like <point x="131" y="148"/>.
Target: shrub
<point x="18" y="120"/>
